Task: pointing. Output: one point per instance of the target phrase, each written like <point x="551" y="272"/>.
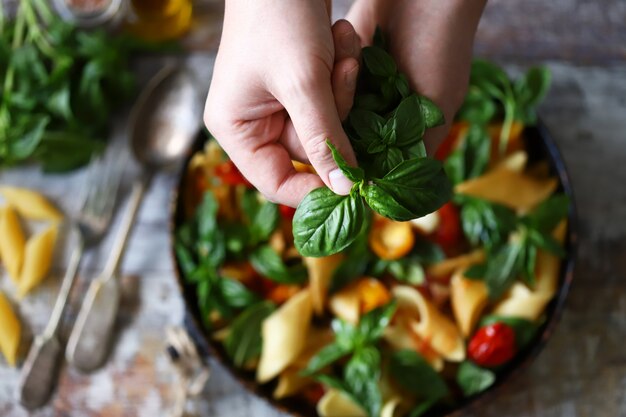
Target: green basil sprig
<point x="269" y="264"/>
<point x="492" y="93"/>
<point x="517" y="257"/>
<point x="326" y="223"/>
<point x="362" y="371"/>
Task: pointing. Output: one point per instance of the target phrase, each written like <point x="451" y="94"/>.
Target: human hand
<point x="282" y="82"/>
<point x="431" y="40"/>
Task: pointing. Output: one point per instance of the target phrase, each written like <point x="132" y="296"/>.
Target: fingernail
<point x="339" y="183"/>
<point x="346" y="43"/>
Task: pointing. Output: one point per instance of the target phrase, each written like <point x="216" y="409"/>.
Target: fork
<point x="42" y="363"/>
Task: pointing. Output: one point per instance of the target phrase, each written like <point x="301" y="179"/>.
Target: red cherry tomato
<point x="449" y="233"/>
<point x="230" y="175"/>
<point x="287" y="212"/>
<point x="492" y="345"/>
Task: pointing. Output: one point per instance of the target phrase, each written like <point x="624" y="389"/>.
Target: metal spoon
<point x="165" y="122"/>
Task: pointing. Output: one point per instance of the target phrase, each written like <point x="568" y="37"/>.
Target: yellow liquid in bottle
<point x="159" y="20"/>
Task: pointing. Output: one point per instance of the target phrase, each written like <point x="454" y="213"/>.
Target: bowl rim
<point x="512" y="370"/>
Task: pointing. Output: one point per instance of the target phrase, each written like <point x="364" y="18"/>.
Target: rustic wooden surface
<point x="582" y="371"/>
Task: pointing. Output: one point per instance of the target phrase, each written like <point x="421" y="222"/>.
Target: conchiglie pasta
<point x="37" y="259"/>
<point x="468" y="298"/>
<point x="448" y="266"/>
<point x="337" y="404"/>
<point x="512" y="189"/>
<point x="11" y="242"/>
<point x="30" y="204"/>
<point x="321" y="271"/>
<point x="290" y="381"/>
<point x="284" y="334"/>
<point x="400" y="335"/>
<point x="10" y="331"/>
<point x="430" y="324"/>
<point x="345" y="304"/>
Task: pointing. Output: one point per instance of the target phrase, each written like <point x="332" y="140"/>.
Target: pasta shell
<point x="427" y="224"/>
<point x="321" y="271"/>
<point x="468" y="298"/>
<point x="515" y="162"/>
<point x="448" y="266"/>
<point x="284" y="334"/>
<point x="512" y="189"/>
<point x="345" y="304"/>
<point x="11" y="242"/>
<point x="10" y="331"/>
<point x="30" y="204"/>
<point x="430" y="324"/>
<point x="37" y="259"/>
<point x="337" y="404"/>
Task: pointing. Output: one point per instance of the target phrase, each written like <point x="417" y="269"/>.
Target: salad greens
<point x="473" y="379"/>
<point x="59" y="86"/>
<point x="394" y="176"/>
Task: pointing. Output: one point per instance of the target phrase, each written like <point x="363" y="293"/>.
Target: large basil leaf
<point x="362" y="373"/>
<point x="379" y="62"/>
<point x="549" y="213"/>
<point x="326" y="223"/>
<point x="385" y="204"/>
<point x="410" y="123"/>
<point x="433" y="116"/>
<point x="418" y="186"/>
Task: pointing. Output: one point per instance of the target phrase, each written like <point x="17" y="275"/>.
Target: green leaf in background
<point x="414" y="374"/>
<point x="549" y="213"/>
<point x="263" y="217"/>
<point x="473" y="379"/>
<point x="326" y="223"/>
<point x="361" y="376"/>
<point x="326" y="356"/>
<point x="471" y="158"/>
<point x="484" y="222"/>
<point x="244" y="340"/>
<point x="269" y="264"/>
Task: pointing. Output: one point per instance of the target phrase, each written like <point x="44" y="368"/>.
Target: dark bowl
<point x="540" y="146"/>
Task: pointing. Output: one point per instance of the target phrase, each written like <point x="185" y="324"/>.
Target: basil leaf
<point x="525" y="330"/>
<point x="372" y="324"/>
<point x="262" y="216"/>
<point x="346" y="334"/>
<point x="379" y="62"/>
<point x="532" y="88"/>
<point x="416" y="150"/>
<point x="478" y="107"/>
<point x="485" y="222"/>
<point x="550" y="212"/>
<point x="410" y="123"/>
<point x="422" y="408"/>
<point x="454" y="165"/>
<point x="406" y="270"/>
<point x="185" y="259"/>
<point x="269" y="264"/>
<point x="546" y="242"/>
<point x="326" y="356"/>
<point x="206" y="215"/>
<point x="354" y="174"/>
<point x="385" y="204"/>
<point x="354" y="265"/>
<point x="414" y="374"/>
<point x="362" y="373"/>
<point x="433" y="116"/>
<point x="427" y="252"/>
<point x="472" y="379"/>
<point x="326" y="223"/>
<point x="490" y="78"/>
<point x="244" y="340"/>
<point x="530" y="261"/>
<point x="24" y="146"/>
<point x="387" y="160"/>
<point x="235" y="294"/>
<point x="237" y="238"/>
<point x="420" y="186"/>
<point x="503" y="268"/>
<point x="366" y="124"/>
<point x="402" y="85"/>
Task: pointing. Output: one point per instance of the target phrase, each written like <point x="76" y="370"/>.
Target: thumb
<point x="314" y="116"/>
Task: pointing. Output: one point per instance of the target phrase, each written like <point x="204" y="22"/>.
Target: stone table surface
<point x="581" y="372"/>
